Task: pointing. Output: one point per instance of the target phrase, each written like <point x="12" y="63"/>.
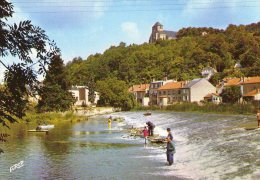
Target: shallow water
<point x="208" y="147"/>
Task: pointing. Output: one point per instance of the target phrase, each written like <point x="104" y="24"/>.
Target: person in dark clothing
<point x="169" y="133"/>
<point x="151" y="127"/>
<point x="170" y="150"/>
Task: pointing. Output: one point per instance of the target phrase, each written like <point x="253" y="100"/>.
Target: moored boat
<point x="45" y="127"/>
<point x="147" y="114"/>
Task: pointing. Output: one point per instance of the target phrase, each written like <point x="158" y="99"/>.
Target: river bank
<point x="33" y="119"/>
<point x="226" y="109"/>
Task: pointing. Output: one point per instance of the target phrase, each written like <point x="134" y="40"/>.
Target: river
<point x="207" y="147"/>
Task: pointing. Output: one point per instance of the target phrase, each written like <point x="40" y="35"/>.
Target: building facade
<point x="250" y="88"/>
<point x="170" y="93"/>
<point x="159" y="34"/>
<point x="81" y="94"/>
<point x="140" y="91"/>
<point x="196" y="90"/>
<point x="153" y="90"/>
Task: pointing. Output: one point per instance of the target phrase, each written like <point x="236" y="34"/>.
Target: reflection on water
<point x="208" y="147"/>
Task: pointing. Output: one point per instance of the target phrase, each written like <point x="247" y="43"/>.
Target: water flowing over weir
<point x="207" y="147"/>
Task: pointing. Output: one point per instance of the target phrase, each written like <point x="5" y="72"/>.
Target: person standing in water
<point x="145" y="134"/>
<point x="169" y="134"/>
<point x="170" y="150"/>
<point x="109" y="122"/>
<point x="258" y="118"/>
<point x="151" y="126"/>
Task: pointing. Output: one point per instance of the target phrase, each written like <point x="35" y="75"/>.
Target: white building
<point x="81" y="94"/>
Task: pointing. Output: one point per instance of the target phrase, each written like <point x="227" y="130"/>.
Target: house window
<point x="164" y="92"/>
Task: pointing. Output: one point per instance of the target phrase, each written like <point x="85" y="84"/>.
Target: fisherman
<point x="169" y="133"/>
<point x="170" y="150"/>
<point x="109" y="122"/>
<point x="151" y="126"/>
<point x="258" y="118"/>
<point x="145" y="134"/>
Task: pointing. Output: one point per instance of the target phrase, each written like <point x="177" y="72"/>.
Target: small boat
<point x="45" y="127"/>
<point x="253" y="128"/>
<point x="118" y="119"/>
<point x="34" y="130"/>
<point x="147" y="114"/>
<point x="158" y="140"/>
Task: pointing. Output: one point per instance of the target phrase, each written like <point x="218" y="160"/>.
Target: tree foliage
<point x="181" y="59"/>
<point x="18" y="41"/>
<point x="231" y="94"/>
<point x="54" y="93"/>
<point x="114" y="92"/>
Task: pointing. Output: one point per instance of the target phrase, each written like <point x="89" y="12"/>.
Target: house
<point x="81" y="94"/>
<point x="159" y="34"/>
<point x="154" y="86"/>
<point x="250" y="87"/>
<point x="170" y="93"/>
<point x="228" y="82"/>
<point x="208" y="72"/>
<point x="213" y="97"/>
<point x="252" y="95"/>
<point x="237" y="65"/>
<point x="140" y="92"/>
<point x="196" y="90"/>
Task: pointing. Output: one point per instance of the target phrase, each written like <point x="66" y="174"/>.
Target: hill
<point x="180" y="59"/>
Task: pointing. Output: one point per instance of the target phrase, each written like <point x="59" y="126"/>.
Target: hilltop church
<point x="159" y="34"/>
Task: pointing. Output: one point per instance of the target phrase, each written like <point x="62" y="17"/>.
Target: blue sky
<point x="84" y="27"/>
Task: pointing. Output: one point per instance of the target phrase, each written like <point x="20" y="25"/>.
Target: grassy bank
<point x="245" y="109"/>
<point x="32" y="119"/>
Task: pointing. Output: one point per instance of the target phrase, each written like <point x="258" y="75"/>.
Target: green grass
<point x="245" y="109"/>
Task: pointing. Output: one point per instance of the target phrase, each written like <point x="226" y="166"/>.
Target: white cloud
<point x="131" y="31"/>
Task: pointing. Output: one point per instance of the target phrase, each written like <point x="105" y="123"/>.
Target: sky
<point x="85" y="27"/>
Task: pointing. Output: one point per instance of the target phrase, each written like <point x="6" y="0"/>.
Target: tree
<point x="231" y="94"/>
<point x="114" y="92"/>
<point x="18" y="40"/>
<point x="54" y="93"/>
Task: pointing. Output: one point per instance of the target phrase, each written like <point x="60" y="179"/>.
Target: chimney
<point x="153" y="79"/>
<point x="165" y="78"/>
<point x="132" y="87"/>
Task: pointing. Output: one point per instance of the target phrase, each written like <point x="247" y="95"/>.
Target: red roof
<point x="211" y="94"/>
<point x="139" y="88"/>
<point x="172" y="85"/>
<point x="252" y="93"/>
<point x="232" y="81"/>
<point x="251" y="80"/>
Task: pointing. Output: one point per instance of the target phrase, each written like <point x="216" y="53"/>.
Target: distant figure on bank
<point x="145" y="133"/>
<point x="258" y="118"/>
<point x="170" y="150"/>
<point x="109" y="122"/>
<point x="151" y="127"/>
<point x="169" y="134"/>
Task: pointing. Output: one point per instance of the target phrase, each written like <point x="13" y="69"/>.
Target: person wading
<point x="151" y="127"/>
<point x="258" y="118"/>
<point x="145" y="134"/>
<point x="170" y="150"/>
<point x="169" y="134"/>
<point x="109" y="122"/>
